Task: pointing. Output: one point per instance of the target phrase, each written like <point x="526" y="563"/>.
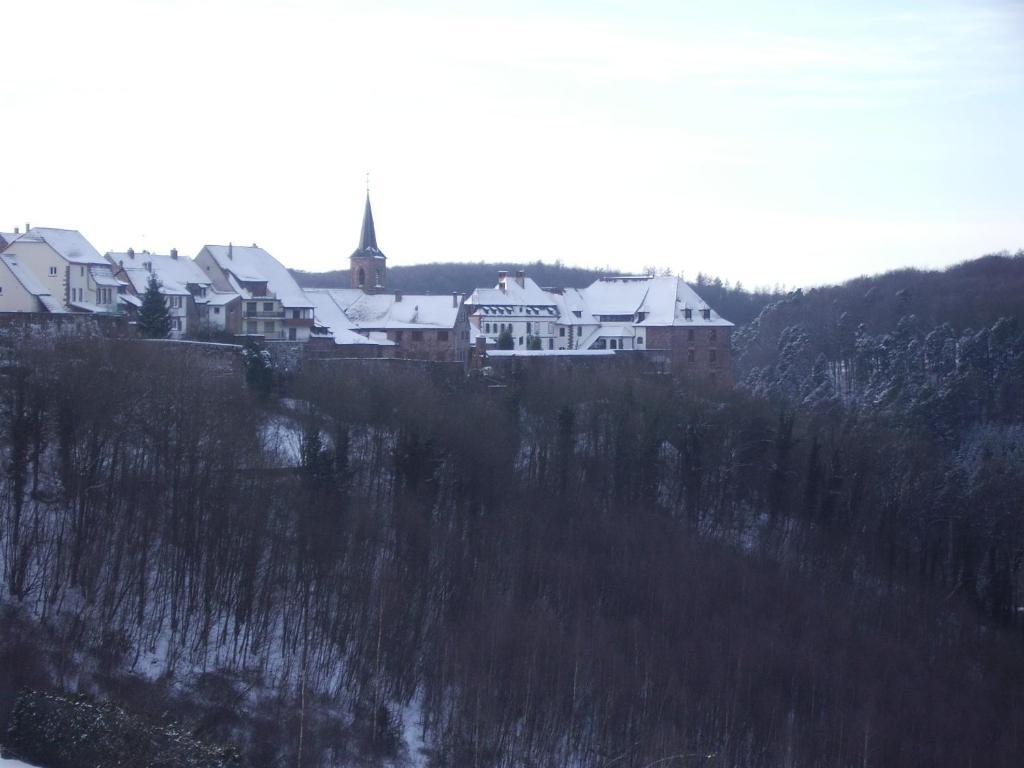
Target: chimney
<point x="455" y="299"/>
<point x="521" y="277"/>
<point x="398" y="295"/>
<point x="174" y="253"/>
<point x="148" y="265"/>
<point x="131" y="253"/>
<point x="230" y="249"/>
<point x="15" y="230"/>
<point x="502" y="280"/>
<point x="27" y="227"/>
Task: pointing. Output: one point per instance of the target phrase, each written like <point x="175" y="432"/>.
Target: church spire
<point x="367" y="265"/>
<point x="368" y="237"/>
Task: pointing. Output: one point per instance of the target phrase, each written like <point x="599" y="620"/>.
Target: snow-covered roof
<point x="663" y="301"/>
<point x="527" y="294"/>
<point x="103" y="275"/>
<point x="175" y="273"/>
<point x="220" y="298"/>
<point x="253" y="264"/>
<point x="31" y="284"/>
<point x="86" y="306"/>
<point x="69" y="243"/>
<point x="385" y="311"/>
<point x="328" y="312"/>
<point x="127" y="298"/>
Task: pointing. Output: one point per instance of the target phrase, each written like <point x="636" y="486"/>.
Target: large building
<point x="622" y="313"/>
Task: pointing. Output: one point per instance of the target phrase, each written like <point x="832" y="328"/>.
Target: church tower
<point x="367" y="265"/>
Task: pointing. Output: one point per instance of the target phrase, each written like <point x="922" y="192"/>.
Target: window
<point x="175" y="323"/>
<point x="442" y="335"/>
<point x="417" y="335"/>
<point x="291" y="334"/>
<point x="487" y="327"/>
<point x="251" y="326"/>
<point x="561" y="331"/>
<point x="712" y="355"/>
<point x="713" y="334"/>
<point x="268" y="326"/>
<point x="577" y="312"/>
<point x="378" y="278"/>
<point x="613" y="344"/>
<point x="690" y="356"/>
<point x="252" y="308"/>
<point x="268" y="306"/>
<point x="81" y="271"/>
<point x="639" y="339"/>
<point x="361" y="276"/>
<point x="296" y="314"/>
<point x="688" y="314"/>
<point x="520" y="341"/>
<point x="53" y="271"/>
<point x="706" y="314"/>
<point x="551" y="343"/>
<point x="176" y="302"/>
<point x="216" y="310"/>
<point x="689" y="335"/>
<point x="529" y="328"/>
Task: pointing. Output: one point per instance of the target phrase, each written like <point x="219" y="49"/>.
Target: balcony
<point x="275" y="315"/>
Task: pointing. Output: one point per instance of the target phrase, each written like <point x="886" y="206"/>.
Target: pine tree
<point x="154" y="317"/>
<point x="505" y="340"/>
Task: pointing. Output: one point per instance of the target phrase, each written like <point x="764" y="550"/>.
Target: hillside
<point x="391" y="568"/>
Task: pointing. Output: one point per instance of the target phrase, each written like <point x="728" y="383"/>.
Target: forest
<point x="378" y="564"/>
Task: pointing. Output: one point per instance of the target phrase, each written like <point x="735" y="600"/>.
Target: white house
<point x="21" y="292"/>
<point x="622" y="313"/>
<point x="70" y="270"/>
<point x="273" y="305"/>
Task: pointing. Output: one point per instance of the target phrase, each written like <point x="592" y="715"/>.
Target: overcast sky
<point x="760" y="142"/>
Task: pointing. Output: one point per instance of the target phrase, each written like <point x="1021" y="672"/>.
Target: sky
<point x="767" y="143"/>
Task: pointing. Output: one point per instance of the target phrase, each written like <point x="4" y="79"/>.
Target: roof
<point x="383" y="311"/>
<point x="174" y="273"/>
<point x="368" y="235"/>
<point x="330" y="313"/>
<point x="253" y="264"/>
<point x="219" y="299"/>
<point x="662" y="301"/>
<point x="104" y="276"/>
<point x="527" y="294"/>
<point x="69" y="243"/>
<point x="29" y="282"/>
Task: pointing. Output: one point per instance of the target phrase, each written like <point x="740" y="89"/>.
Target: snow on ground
<point x="5" y="763"/>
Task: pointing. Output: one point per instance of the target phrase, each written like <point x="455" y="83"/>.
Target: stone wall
<point x="699" y="352"/>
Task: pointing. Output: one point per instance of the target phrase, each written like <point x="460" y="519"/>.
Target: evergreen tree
<point x="154" y="317"/>
<point x="505" y="340"/>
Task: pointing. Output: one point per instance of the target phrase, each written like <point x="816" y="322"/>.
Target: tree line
<point x="595" y="570"/>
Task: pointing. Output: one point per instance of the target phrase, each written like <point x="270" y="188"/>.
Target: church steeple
<point x="368" y="237"/>
<point x="367" y="264"/>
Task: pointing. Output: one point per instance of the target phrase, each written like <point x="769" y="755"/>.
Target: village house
<point x="624" y="313"/>
<point x="20" y="291"/>
<point x="184" y="286"/>
<point x="273" y="306"/>
<point x="69" y="269"/>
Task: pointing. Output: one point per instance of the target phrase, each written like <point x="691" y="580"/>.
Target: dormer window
<point x="688" y="314"/>
<point x="577" y="313"/>
<point x="706" y="314"/>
